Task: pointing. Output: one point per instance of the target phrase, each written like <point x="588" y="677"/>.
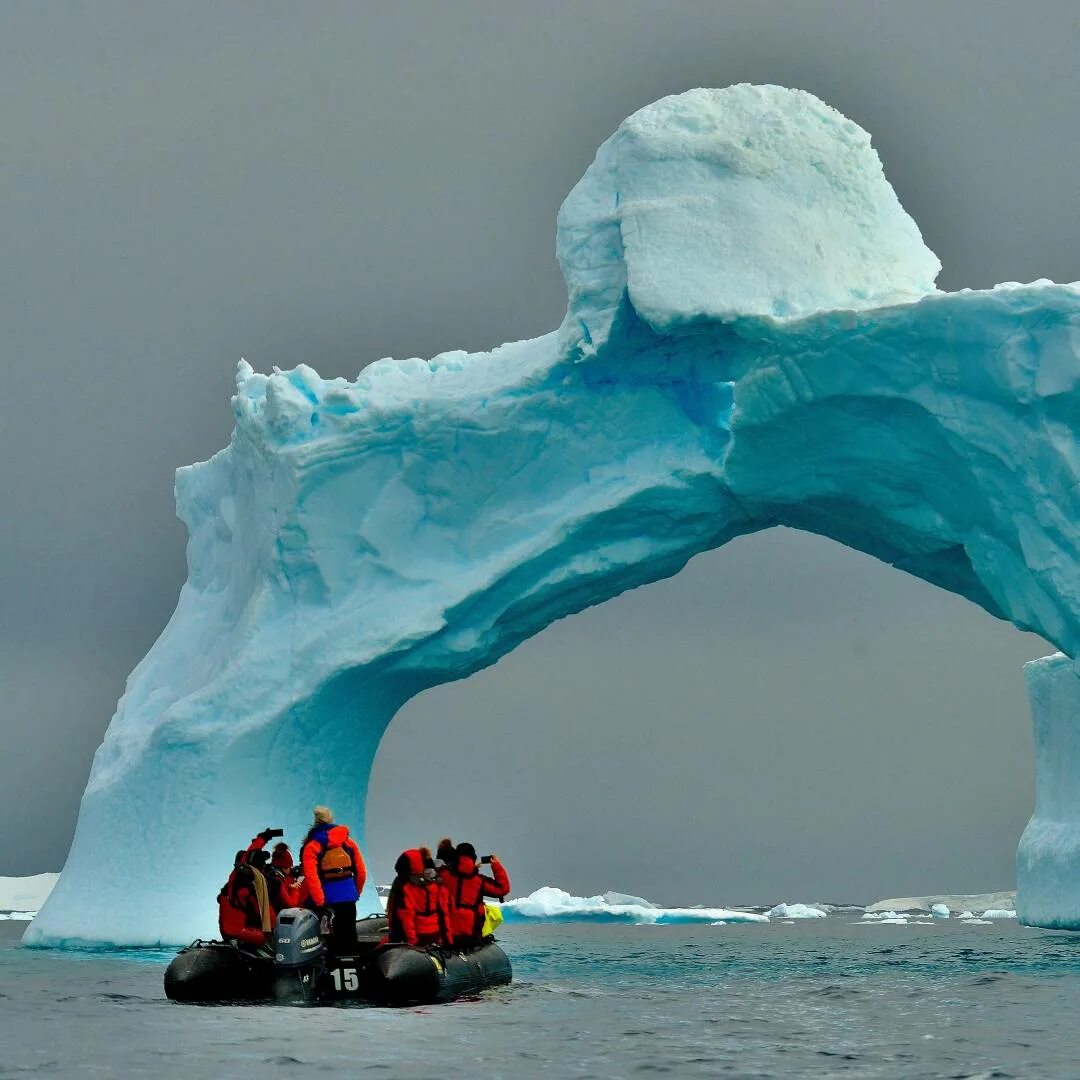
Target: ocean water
<point x="819" y="998"/>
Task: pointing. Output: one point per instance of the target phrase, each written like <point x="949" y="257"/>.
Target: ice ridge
<point x="752" y="338"/>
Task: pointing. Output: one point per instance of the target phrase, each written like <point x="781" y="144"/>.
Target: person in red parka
<point x="287" y="888"/>
<point x="417" y="906"/>
<point x="467" y="888"/>
<point x="245" y="914"/>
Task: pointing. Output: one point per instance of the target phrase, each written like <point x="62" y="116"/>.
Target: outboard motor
<point x="299" y="954"/>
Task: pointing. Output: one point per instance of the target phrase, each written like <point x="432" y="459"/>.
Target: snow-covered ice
<point x="753" y="337"/>
<point x="953" y="901"/>
<point x="24" y="896"/>
<point x="796" y="911"/>
<point x="550" y="904"/>
<point x="940" y="911"/>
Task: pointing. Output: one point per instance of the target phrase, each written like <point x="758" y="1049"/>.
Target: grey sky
<point x="185" y="184"/>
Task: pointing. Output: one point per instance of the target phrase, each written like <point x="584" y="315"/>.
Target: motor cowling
<point x="297" y="942"/>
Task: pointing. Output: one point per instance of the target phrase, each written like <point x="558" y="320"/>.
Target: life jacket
<point x="466" y="888"/>
<point x="333" y="865"/>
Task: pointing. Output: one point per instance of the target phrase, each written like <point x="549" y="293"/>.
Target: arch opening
<point x="696" y="741"/>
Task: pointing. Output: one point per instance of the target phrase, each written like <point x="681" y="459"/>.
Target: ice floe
<point x="550" y="904"/>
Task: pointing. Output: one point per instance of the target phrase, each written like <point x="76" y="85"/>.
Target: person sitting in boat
<point x="446" y="854"/>
<point x="245" y="914"/>
<point x="467" y="889"/>
<point x="334" y="874"/>
<point x="417" y="907"/>
<point x="287" y="886"/>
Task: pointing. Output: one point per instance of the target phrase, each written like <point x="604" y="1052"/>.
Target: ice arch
<point x="753" y="338"/>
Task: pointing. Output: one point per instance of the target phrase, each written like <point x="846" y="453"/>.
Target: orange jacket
<point x="466" y="888"/>
<point x="320" y="891"/>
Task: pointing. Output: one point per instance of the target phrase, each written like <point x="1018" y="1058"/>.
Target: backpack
<point x="335" y="864"/>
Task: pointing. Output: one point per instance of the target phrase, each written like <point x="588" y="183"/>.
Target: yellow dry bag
<point x="493" y="918"/>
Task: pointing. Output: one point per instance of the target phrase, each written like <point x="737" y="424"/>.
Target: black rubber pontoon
<point x="407" y="975"/>
<point x="214" y="971"/>
<point x="301" y="970"/>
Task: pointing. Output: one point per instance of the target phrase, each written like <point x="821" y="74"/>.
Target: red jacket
<point x="294" y="892"/>
<point x="239" y="917"/>
<point x="311" y="854"/>
<point x="467" y="888"/>
<point x="238" y="913"/>
<point x="418" y="908"/>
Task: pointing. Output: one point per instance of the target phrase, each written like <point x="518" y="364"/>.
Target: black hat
<point x="466" y="851"/>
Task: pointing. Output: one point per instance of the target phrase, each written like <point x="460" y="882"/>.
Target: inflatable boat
<point x="299" y="969"/>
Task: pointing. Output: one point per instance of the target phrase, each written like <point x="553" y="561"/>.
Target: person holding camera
<point x="467" y="889"/>
<point x="334" y="873"/>
<point x="287" y="887"/>
<point x="245" y="912"/>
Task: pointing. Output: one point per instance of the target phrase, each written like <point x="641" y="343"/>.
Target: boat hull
<point x="209" y="972"/>
<point x="405" y="975"/>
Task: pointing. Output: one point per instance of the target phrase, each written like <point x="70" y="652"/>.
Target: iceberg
<point x="796" y="911"/>
<point x="753" y="337"/>
<point x="24" y="896"/>
<point x="1048" y="859"/>
<point x="550" y="904"/>
<point x="964" y="902"/>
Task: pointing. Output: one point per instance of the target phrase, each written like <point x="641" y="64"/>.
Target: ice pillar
<point x="1048" y="858"/>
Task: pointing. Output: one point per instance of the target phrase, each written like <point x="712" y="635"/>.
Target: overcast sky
<point x="185" y="184"/>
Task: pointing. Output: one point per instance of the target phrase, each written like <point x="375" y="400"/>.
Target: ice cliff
<point x="753" y="338"/>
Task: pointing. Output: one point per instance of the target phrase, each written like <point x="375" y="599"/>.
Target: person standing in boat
<point x="467" y="889"/>
<point x="334" y="874"/>
<point x="417" y="906"/>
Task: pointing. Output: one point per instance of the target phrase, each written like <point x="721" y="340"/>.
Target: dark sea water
<point x="817" y="998"/>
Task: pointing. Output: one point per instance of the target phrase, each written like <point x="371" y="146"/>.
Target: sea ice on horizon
<point x="974" y="902"/>
<point x="22" y="897"/>
<point x="549" y="904"/>
<point x="796" y="911"/>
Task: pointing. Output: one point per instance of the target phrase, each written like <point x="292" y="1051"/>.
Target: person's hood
<point x="330" y="835"/>
<point x="410" y="864"/>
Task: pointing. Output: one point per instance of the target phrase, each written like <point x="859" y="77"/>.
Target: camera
<point x="486" y="860"/>
<point x="272" y="834"/>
